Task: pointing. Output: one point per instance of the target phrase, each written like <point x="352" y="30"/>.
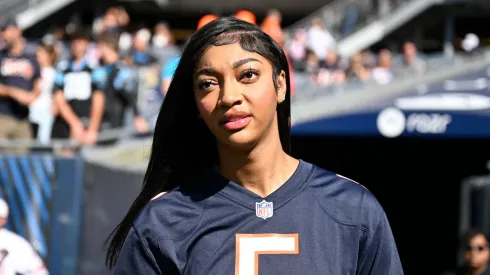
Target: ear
<point x="281" y="87"/>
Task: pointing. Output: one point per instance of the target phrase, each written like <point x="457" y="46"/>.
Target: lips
<point x="234" y="121"/>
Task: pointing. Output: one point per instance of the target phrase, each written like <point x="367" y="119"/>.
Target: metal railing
<point x="57" y="145"/>
<point x="29" y="12"/>
<point x="434" y="63"/>
<point x="340" y="99"/>
<point x="343" y="17"/>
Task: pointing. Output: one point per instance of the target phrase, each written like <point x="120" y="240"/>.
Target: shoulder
<point x="63" y="65"/>
<point x="99" y="74"/>
<point x="91" y="65"/>
<point x="15" y="240"/>
<point x="170" y="66"/>
<point x="31" y="57"/>
<point x="343" y="199"/>
<point x="170" y="215"/>
<point x="125" y="72"/>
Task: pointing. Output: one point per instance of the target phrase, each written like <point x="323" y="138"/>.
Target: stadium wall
<point x="109" y="190"/>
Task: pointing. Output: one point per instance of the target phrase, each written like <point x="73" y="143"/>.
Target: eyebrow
<point x="210" y="71"/>
<point x="206" y="71"/>
<point x="244" y="61"/>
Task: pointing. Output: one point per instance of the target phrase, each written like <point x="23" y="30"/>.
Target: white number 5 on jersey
<point x="250" y="246"/>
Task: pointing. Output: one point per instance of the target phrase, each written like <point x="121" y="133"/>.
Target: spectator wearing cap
<point x="20" y="84"/>
<point x="17" y="256"/>
<point x="80" y="103"/>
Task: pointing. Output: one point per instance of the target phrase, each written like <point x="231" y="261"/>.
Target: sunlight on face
<point x="235" y="95"/>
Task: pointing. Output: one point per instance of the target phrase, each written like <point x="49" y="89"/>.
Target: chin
<point x="241" y="140"/>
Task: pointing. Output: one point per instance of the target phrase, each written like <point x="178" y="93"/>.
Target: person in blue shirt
<point x="222" y="194"/>
<point x="167" y="73"/>
<point x="119" y="84"/>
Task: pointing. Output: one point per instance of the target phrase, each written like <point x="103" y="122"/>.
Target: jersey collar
<point x="281" y="196"/>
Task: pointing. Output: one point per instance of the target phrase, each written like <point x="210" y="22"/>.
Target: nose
<point x="231" y="94"/>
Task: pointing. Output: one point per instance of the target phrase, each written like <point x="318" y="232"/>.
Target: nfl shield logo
<point x="264" y="209"/>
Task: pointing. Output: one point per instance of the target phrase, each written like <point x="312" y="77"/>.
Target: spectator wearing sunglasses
<point x="476" y="254"/>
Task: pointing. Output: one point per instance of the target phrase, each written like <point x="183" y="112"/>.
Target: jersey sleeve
<point x="137" y="258"/>
<point x="169" y="68"/>
<point x="378" y="252"/>
<point x="126" y="80"/>
<point x="99" y="79"/>
<point x="58" y="81"/>
<point x="127" y="84"/>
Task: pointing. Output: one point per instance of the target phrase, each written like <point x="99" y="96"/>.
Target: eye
<point x="249" y="75"/>
<point x="205" y="85"/>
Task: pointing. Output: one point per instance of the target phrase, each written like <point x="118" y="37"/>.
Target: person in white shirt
<point x="382" y="74"/>
<point x="17" y="256"/>
<point x="319" y="40"/>
<point x="41" y="111"/>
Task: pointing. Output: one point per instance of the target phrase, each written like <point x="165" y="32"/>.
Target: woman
<point x="42" y="110"/>
<point x="221" y="152"/>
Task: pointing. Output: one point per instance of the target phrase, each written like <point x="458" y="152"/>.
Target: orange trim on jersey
<point x="158" y="196"/>
<point x="257" y="253"/>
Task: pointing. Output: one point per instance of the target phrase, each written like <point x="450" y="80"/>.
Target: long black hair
<point x="182" y="143"/>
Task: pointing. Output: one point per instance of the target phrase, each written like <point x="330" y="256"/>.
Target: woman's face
<point x="43" y="57"/>
<point x="235" y="95"/>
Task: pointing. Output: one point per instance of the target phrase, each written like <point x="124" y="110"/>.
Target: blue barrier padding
<point x="67" y="210"/>
<point x="9" y="196"/>
<point x="29" y="211"/>
<point x="42" y="175"/>
<point x="45" y="195"/>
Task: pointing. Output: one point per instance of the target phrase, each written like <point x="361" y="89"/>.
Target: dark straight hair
<point x="182" y="143"/>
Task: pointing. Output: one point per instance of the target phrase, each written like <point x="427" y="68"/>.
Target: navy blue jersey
<point x="315" y="223"/>
<point x="76" y="81"/>
<point x="20" y="72"/>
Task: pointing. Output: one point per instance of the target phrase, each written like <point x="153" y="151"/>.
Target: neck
<point x="112" y="60"/>
<point x="78" y="59"/>
<point x="477" y="271"/>
<point x="409" y="59"/>
<point x="17" y="48"/>
<point x="261" y="170"/>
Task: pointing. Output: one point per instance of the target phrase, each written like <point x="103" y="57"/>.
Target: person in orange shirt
<point x="246" y="16"/>
<point x="206" y="19"/>
<point x="272" y="26"/>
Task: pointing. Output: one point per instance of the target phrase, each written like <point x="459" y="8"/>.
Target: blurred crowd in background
<point x="79" y="80"/>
